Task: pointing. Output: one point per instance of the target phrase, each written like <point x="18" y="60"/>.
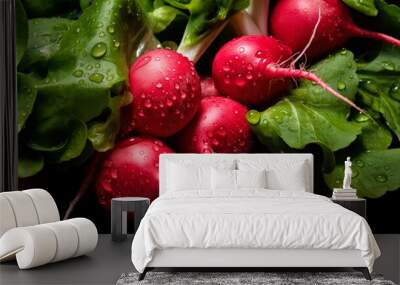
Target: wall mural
<point x="105" y="86"/>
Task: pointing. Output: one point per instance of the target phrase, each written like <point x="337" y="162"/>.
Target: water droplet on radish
<point x="249" y="66"/>
<point x="241" y="49"/>
<point x="159" y="85"/>
<point x="177" y="87"/>
<point x="260" y="54"/>
<point x="169" y="103"/>
<point x="147" y="103"/>
<point x="183" y="95"/>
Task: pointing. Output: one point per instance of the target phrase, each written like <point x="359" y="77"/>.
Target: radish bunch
<point x="293" y="22"/>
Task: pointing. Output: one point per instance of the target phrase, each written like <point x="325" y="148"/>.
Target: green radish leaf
<point x="310" y="115"/>
<point x="374" y="172"/>
<point x="202" y="15"/>
<point x="380" y="86"/>
<point x="366" y="7"/>
<point x="90" y="66"/>
<point x="22" y="30"/>
<point x="51" y="135"/>
<point x="75" y="144"/>
<point x="102" y="134"/>
<point x="29" y="163"/>
<point x="388" y="17"/>
<point x="374" y="135"/>
<point x="49" y="8"/>
<point x="45" y="35"/>
<point x="26" y="99"/>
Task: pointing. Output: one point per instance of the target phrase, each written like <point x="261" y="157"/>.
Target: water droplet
<point x="110" y="29"/>
<point x="159" y="85"/>
<point x="249" y="66"/>
<point x="177" y="87"/>
<point x="241" y="49"/>
<point x="101" y="34"/>
<point x="395" y="91"/>
<point x="388" y="66"/>
<point x="260" y="54"/>
<point x="226" y="68"/>
<point x="99" y="50"/>
<point x="183" y="95"/>
<point x="249" y="76"/>
<point x="77" y="73"/>
<point x="343" y="52"/>
<point x="341" y="85"/>
<point x="382" y="178"/>
<point x="96" y="77"/>
<point x="239" y="81"/>
<point x="361" y="118"/>
<point x="169" y="103"/>
<point x="370" y="86"/>
<point x="253" y="117"/>
<point x="117" y="44"/>
<point x="147" y="103"/>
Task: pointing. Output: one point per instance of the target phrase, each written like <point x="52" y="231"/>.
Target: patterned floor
<point x="254" y="278"/>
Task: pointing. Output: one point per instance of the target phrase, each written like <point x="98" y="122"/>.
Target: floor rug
<point x="244" y="278"/>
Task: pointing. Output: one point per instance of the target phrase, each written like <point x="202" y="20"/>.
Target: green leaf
<point x="90" y="66"/>
<point x="374" y="135"/>
<point x="75" y="143"/>
<point x="26" y="99"/>
<point x="45" y="8"/>
<point x="45" y="35"/>
<point x="159" y="17"/>
<point x="380" y="87"/>
<point x="29" y="163"/>
<point x="22" y="30"/>
<point x="51" y="135"/>
<point x="367" y="7"/>
<point x="202" y="15"/>
<point x="388" y="17"/>
<point x="374" y="173"/>
<point x="311" y="115"/>
<point x="103" y="134"/>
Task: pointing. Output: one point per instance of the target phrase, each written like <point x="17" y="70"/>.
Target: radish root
<point x="277" y="71"/>
<point x="87" y="180"/>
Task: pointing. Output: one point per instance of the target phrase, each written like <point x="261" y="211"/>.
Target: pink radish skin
<point x="130" y="169"/>
<point x="253" y="71"/>
<point x="293" y="21"/>
<point x="166" y="92"/>
<point x="208" y="87"/>
<point x="220" y="126"/>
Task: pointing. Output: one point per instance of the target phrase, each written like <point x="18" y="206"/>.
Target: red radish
<point x="253" y="70"/>
<point x="130" y="169"/>
<point x="208" y="87"/>
<point x="166" y="92"/>
<point x="293" y="22"/>
<point x="219" y="126"/>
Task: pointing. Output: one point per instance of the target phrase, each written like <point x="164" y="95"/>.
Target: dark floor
<point x="110" y="260"/>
